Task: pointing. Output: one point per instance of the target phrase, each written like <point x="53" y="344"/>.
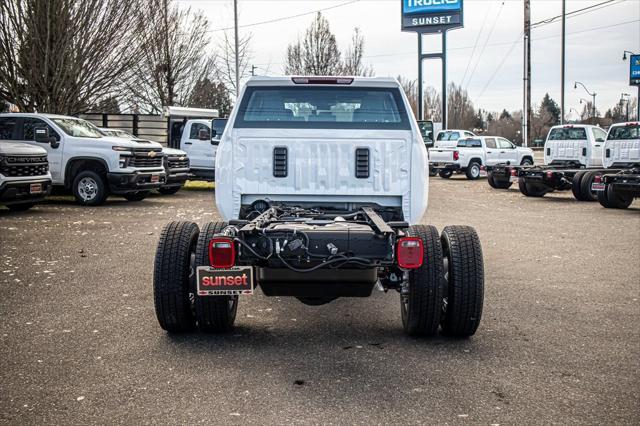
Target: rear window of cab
<point x="309" y="107"/>
<point x="630" y="131"/>
<point x="568" y="134"/>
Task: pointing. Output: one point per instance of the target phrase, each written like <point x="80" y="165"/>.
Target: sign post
<point x="634" y="77"/>
<point x="429" y="17"/>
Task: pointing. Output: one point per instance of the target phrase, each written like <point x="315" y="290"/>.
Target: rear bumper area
<point x="15" y="192"/>
<point x="122" y="183"/>
<point x="320" y="283"/>
<point x="445" y="166"/>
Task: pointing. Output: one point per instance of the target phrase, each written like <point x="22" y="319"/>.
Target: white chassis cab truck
<point x="24" y="174"/>
<point x="573" y="155"/>
<point x="322" y="185"/>
<point x="471" y="154"/>
<point x="88" y="163"/>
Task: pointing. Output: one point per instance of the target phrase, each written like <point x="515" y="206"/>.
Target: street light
<point x="593" y="95"/>
<point x="624" y="58"/>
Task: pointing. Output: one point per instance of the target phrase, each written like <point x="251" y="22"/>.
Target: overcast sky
<point x="595" y="43"/>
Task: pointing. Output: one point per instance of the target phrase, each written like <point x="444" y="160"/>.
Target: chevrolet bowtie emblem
<point x="151" y="154"/>
<point x="181" y="158"/>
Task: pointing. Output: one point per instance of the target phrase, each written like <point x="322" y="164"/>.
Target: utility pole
<point x="235" y="20"/>
<point x="526" y="111"/>
<point x="564" y="5"/>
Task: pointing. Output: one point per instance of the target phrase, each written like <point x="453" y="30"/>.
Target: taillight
<point x="410" y="254"/>
<point x="514" y="173"/>
<point x="456" y="155"/>
<point x="222" y="253"/>
<point x="597" y="179"/>
<point x="549" y="175"/>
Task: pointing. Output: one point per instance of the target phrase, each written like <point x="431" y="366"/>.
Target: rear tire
<point x="585" y="186"/>
<point x="169" y="190"/>
<point x="422" y="297"/>
<point x="445" y="174"/>
<point x="530" y="190"/>
<point x="172" y="275"/>
<point x="526" y="162"/>
<point x="89" y="188"/>
<point x="473" y="170"/>
<point x="498" y="184"/>
<point x="20" y="207"/>
<point x="464" y="273"/>
<point x="214" y="314"/>
<point x="576" y="186"/>
<point x="136" y="196"/>
<point x="433" y="172"/>
<point x="612" y="200"/>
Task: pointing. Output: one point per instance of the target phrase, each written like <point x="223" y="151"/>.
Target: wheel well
<point x="477" y="160"/>
<point x="78" y="165"/>
<point x="526" y="157"/>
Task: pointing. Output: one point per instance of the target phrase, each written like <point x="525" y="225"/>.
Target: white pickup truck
<point x="470" y="154"/>
<point x="322" y="184"/>
<point x="83" y="160"/>
<point x="24" y="173"/>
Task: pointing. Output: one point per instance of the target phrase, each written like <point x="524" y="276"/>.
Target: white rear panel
<point x="622" y="152"/>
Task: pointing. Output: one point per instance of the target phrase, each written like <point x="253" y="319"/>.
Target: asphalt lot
<point x="558" y="343"/>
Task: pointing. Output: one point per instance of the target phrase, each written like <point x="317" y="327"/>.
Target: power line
<point x="284" y="18"/>
<point x="485" y="45"/>
<point x="504" y="59"/>
<point x="484" y="21"/>
<point x="576" y="12"/>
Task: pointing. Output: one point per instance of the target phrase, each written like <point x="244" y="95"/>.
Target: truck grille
<point x="178" y="162"/>
<point x="144" y="158"/>
<point x="18" y="166"/>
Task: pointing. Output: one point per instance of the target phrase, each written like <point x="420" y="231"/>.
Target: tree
<point x="432" y="102"/>
<point x="209" y="94"/>
<point x="61" y="56"/>
<point x="108" y="105"/>
<point x="226" y="67"/>
<point x="173" y="42"/>
<point x="460" y="110"/>
<point x="318" y="53"/>
<point x="551" y="107"/>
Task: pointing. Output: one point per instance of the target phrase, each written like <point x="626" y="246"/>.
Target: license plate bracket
<point x="234" y="281"/>
<point x="598" y="186"/>
<point x="35" y="188"/>
<point x="155" y="178"/>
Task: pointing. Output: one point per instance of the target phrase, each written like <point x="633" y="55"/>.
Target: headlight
<point x="122" y="149"/>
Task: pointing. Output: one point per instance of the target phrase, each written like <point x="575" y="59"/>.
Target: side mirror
<point x="41" y="135"/>
<point x="203" y="134"/>
<point x="214" y="133"/>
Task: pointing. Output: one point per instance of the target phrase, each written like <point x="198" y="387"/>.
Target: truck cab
<point x="85" y="161"/>
<point x="24" y="174"/>
<point x="577" y="144"/>
<point x="622" y="147"/>
<point x="449" y="138"/>
<point x="322" y="187"/>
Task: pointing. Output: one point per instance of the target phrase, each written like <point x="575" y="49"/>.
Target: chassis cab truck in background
<point x="322" y="184"/>
<point x="24" y="174"/>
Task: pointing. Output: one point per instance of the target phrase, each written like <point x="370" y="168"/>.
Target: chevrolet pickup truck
<point x="24" y="174"/>
<point x="85" y="161"/>
<point x="322" y="187"/>
<point x="471" y="154"/>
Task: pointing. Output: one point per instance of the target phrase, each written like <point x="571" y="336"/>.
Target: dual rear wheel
<point x="447" y="292"/>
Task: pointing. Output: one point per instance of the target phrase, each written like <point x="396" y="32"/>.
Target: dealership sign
<point x="634" y="70"/>
<point x="430" y="16"/>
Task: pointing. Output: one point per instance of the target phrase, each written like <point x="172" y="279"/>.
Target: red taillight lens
<point x="514" y="173"/>
<point x="597" y="179"/>
<point x="222" y="253"/>
<point x="410" y="252"/>
<point x="456" y="155"/>
<point x="549" y="175"/>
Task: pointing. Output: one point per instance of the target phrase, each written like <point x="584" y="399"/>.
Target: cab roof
<point x="334" y="81"/>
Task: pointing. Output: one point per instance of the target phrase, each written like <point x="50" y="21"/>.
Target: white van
<point x="581" y="144"/>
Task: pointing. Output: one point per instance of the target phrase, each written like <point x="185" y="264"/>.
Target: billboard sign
<point x="634" y="70"/>
<point x="430" y="16"/>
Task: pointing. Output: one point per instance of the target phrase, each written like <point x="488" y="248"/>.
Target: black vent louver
<point x="362" y="163"/>
<point x="280" y="168"/>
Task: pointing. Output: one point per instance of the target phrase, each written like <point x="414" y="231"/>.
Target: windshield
<point x="568" y="134"/>
<point x="448" y="136"/>
<point x="77" y="127"/>
<point x="322" y="108"/>
<point x="624" y="132"/>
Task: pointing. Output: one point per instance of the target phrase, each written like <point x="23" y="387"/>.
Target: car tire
<point x="422" y="295"/>
<point x="136" y="196"/>
<point x="498" y="183"/>
<point x="576" y="185"/>
<point x="612" y="200"/>
<point x="473" y="170"/>
<point x="464" y="278"/>
<point x="526" y="162"/>
<point x="530" y="190"/>
<point x="89" y="188"/>
<point x="169" y="190"/>
<point x="433" y="172"/>
<point x="172" y="276"/>
<point x="585" y="186"/>
<point x="445" y="174"/>
<point x="22" y="207"/>
<point x="214" y="314"/>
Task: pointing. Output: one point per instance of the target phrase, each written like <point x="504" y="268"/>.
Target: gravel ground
<point x="558" y="342"/>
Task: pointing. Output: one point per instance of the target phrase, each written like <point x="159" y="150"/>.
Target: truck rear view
<point x="322" y="184"/>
